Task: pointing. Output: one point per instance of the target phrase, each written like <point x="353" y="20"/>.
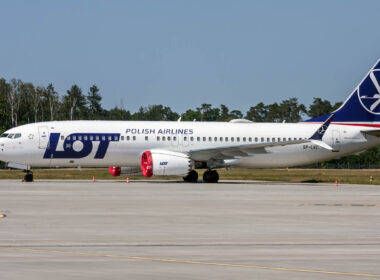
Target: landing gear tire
<point x="192" y="177"/>
<point x="28" y="177"/>
<point x="211" y="176"/>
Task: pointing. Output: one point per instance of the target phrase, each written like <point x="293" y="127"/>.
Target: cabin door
<point x="44" y="137"/>
<point x="336" y="140"/>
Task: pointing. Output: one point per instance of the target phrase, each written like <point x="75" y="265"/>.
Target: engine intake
<point x="164" y="163"/>
<point x="117" y="170"/>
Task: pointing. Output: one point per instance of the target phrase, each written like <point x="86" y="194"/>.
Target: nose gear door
<point x="44" y="137"/>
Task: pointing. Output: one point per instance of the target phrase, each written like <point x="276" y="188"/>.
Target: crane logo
<point x="369" y="93"/>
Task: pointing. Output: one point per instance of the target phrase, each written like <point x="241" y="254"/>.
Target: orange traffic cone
<point x="336" y="183"/>
<point x="93" y="179"/>
<point x="127" y="181"/>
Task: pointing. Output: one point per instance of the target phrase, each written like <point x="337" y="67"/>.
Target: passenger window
<point x="158" y="138"/>
<point x="238" y="139"/>
<point x="62" y="137"/>
<point x="146" y="138"/>
<point x="68" y="138"/>
<point x="85" y="137"/>
<point x="122" y="138"/>
<point x="168" y="138"/>
<point x="185" y="138"/>
<point x="215" y="139"/>
<point x="128" y="138"/>
<point x="250" y="139"/>
<point x="268" y="139"/>
<point x="221" y="139"/>
<point x="134" y="138"/>
<point x="191" y="138"/>
<point x="244" y="139"/>
<point x="290" y="139"/>
<point x="210" y="139"/>
<point x="279" y="139"/>
<point x="91" y="137"/>
<point x="262" y="139"/>
<point x="163" y="138"/>
<point x="116" y="138"/>
<point x="226" y="139"/>
<point x="103" y="138"/>
<point x="74" y="138"/>
<point x="273" y="139"/>
<point x="198" y="139"/>
<point x="79" y="137"/>
<point x="204" y="139"/>
<point x="68" y="145"/>
<point x="232" y="139"/>
<point x="109" y="138"/>
<point x="256" y="139"/>
<point x="174" y="138"/>
<point x="284" y="139"/>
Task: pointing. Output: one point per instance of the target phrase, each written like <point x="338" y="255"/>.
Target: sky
<point x="185" y="53"/>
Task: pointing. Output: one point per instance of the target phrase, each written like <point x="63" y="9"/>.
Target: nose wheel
<point x="211" y="176"/>
<point x="28" y="177"/>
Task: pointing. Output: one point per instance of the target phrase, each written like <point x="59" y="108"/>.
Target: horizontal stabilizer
<point x="374" y="132"/>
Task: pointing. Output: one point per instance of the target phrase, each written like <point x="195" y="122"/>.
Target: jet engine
<point x="117" y="170"/>
<point x="164" y="163"/>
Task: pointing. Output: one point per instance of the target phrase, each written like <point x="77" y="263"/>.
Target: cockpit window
<point x="4" y="135"/>
<point x="11" y="136"/>
<point x="17" y="135"/>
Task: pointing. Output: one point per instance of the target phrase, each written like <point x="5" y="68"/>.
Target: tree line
<point x="23" y="102"/>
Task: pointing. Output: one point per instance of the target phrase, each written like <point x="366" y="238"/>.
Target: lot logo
<point x="369" y="93"/>
<point x="80" y="145"/>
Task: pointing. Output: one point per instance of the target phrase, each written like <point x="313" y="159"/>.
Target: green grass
<point x="346" y="176"/>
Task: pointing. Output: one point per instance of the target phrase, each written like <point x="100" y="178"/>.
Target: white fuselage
<point x="121" y="143"/>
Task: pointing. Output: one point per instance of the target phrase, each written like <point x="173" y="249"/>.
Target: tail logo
<point x="369" y="93"/>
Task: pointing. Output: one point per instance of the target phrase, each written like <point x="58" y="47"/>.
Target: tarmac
<point x="177" y="230"/>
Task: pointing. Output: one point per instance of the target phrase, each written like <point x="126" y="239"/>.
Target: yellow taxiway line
<point x="74" y="253"/>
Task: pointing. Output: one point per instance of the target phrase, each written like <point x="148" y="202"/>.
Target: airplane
<point x="176" y="148"/>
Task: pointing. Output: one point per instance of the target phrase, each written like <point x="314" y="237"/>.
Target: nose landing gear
<point x="28" y="176"/>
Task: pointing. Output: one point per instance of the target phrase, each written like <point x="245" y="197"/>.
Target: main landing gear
<point x="192" y="177"/>
<point x="28" y="176"/>
<point x="211" y="176"/>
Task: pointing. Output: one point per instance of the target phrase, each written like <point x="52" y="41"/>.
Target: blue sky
<point x="184" y="53"/>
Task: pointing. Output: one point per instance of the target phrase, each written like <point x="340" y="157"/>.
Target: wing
<point x="233" y="152"/>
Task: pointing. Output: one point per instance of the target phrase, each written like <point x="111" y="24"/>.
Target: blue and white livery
<point x="179" y="148"/>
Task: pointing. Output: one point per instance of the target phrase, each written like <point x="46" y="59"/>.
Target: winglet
<point x="318" y="135"/>
<point x="316" y="138"/>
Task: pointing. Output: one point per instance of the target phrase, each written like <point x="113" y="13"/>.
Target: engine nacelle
<point x="117" y="170"/>
<point x="164" y="163"/>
